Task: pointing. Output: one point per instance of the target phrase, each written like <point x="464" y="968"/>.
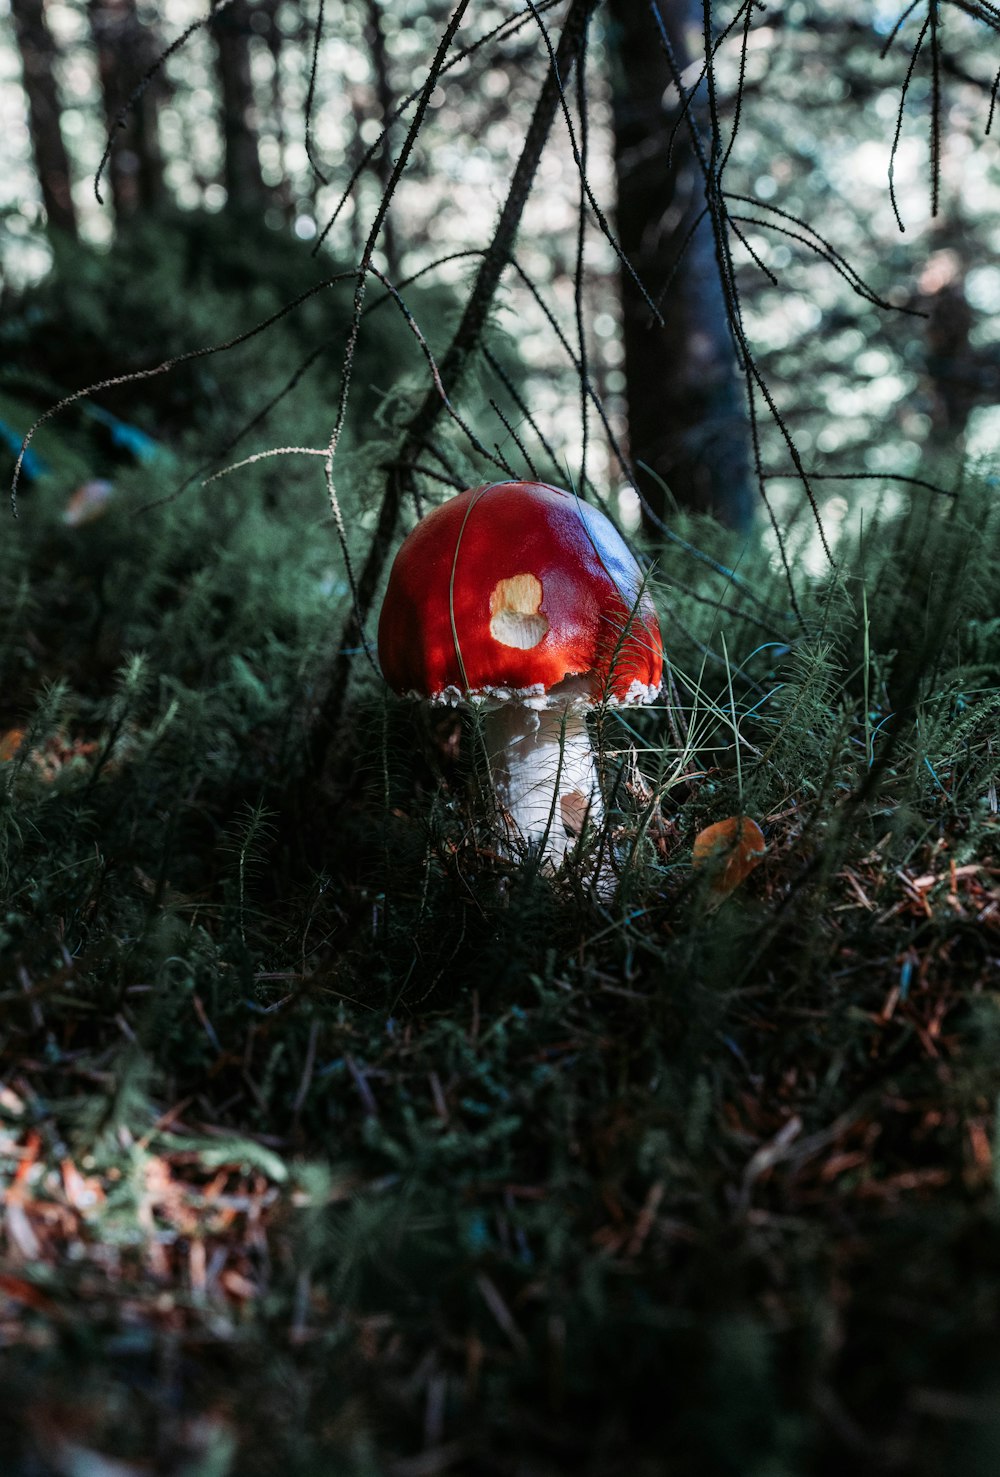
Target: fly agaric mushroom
<point x="524" y="603"/>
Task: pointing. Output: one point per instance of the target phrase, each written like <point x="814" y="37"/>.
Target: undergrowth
<point x="331" y="1139"/>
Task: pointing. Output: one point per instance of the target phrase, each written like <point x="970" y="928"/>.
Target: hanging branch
<point x="400" y="481"/>
<point x="935" y="109"/>
<point x="823" y="250"/>
<point x="127" y="107"/>
<point x="627" y="470"/>
<point x="872" y="477"/>
<point x="383" y="89"/>
<point x="581" y="238"/>
<point x="993" y="103"/>
<point x="718" y="216"/>
<point x="741" y="82"/>
<point x="311" y="94"/>
<point x="501" y="32"/>
<point x="900" y="23"/>
<point x="360" y="287"/>
<point x="979" y="10"/>
<point x="687" y="98"/>
<point x="518" y="398"/>
<point x="500" y="462"/>
<point x="899" y="121"/>
<point x="599" y="215"/>
<point x="710" y="167"/>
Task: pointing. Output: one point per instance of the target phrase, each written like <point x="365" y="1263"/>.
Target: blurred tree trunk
<point x="125" y="48"/>
<point x="386" y="102"/>
<point x="38" y="54"/>
<point x="686" y="407"/>
<point x="245" y="188"/>
<point x="274" y="38"/>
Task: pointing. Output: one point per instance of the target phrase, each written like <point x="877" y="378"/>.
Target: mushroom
<point x="523" y="603"/>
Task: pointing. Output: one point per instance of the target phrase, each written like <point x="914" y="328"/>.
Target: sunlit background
<point x="860" y="387"/>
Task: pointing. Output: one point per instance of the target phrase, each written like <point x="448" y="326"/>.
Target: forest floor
<point x="331" y="1142"/>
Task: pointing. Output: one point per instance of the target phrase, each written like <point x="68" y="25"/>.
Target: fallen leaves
<point x="197" y="1231"/>
<point x="10" y="743"/>
<point x="729" y="851"/>
<point x="50" y="758"/>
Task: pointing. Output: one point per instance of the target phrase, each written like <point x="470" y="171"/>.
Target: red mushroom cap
<point x="506" y="590"/>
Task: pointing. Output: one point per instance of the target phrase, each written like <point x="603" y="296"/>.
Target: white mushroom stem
<point x="544" y="775"/>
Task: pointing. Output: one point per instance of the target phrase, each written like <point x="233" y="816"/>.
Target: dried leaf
<point x="20" y="1234"/>
<point x="18" y="1290"/>
<point x="731" y="849"/>
<point x="10" y="742"/>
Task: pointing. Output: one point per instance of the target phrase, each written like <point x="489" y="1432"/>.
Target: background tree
<point x="814" y="93"/>
<point x="231" y="29"/>
<point x="686" y="403"/>
<point x="38" y="54"/>
<point x="124" y="49"/>
<point x="375" y="33"/>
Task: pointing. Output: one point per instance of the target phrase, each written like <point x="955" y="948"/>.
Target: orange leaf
<point x="10" y="742"/>
<point x="730" y="849"/>
<point x="29" y="1155"/>
<point x="20" y="1291"/>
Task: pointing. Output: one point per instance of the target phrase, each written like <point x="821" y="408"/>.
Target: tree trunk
<point x="386" y="102"/>
<point x="125" y="49"/>
<point x="245" y="188"/>
<point x="273" y="36"/>
<point x="38" y="54"/>
<point x="686" y="405"/>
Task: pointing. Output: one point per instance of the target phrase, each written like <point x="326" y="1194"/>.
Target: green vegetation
<point x="331" y="1143"/>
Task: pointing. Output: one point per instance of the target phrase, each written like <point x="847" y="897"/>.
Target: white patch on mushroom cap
<point x="515" y="615"/>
